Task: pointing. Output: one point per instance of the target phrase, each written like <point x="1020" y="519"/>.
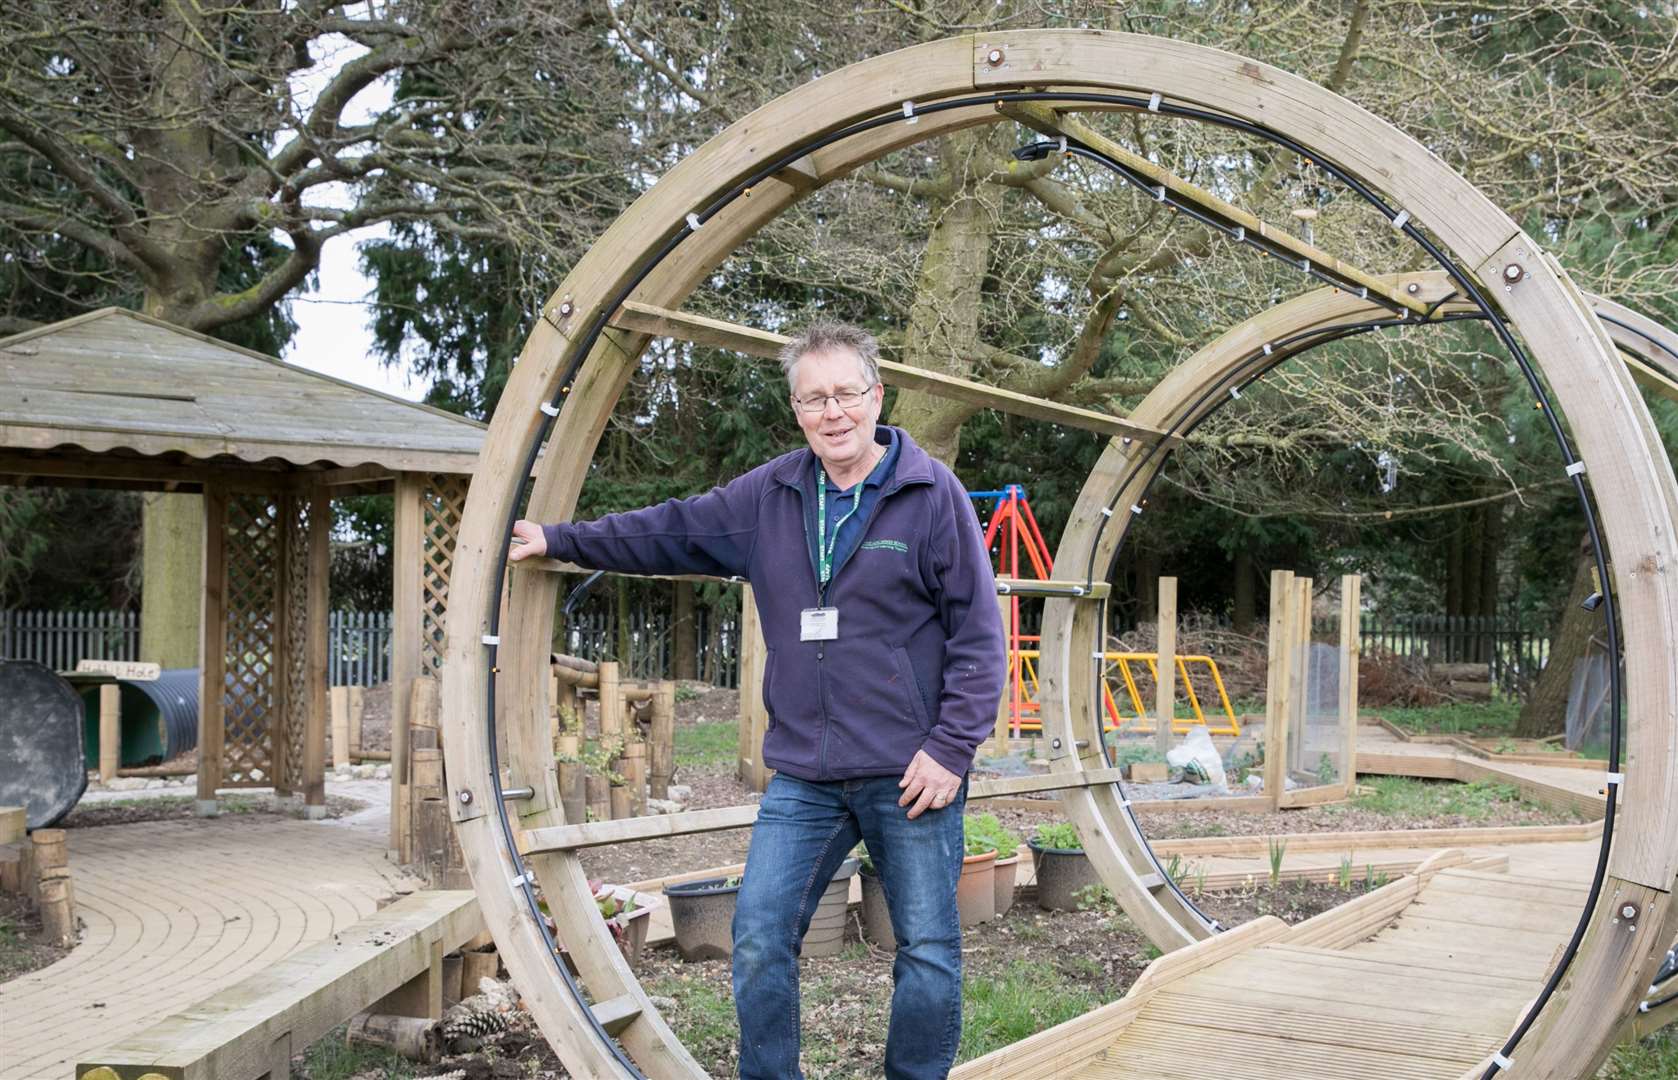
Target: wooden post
<point x="110" y="730"/>
<point x="663" y="763"/>
<point x="339" y="698"/>
<point x="407" y="594"/>
<point x="1165" y="683"/>
<point x="599" y="797"/>
<point x="1276" y="685"/>
<point x="573" y="791"/>
<point x="420" y="996"/>
<point x="58" y="911"/>
<point x="212" y="675"/>
<point x="313" y="781"/>
<point x="1005" y="707"/>
<point x="611" y="699"/>
<point x="49" y="857"/>
<point x="634" y="769"/>
<point x="1299" y="684"/>
<point x="754" y="719"/>
<point x="358" y="709"/>
<point x="622" y="804"/>
<point x="1351" y="617"/>
<point x="423" y="740"/>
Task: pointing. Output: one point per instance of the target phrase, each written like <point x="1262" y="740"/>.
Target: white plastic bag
<point x="1198" y="758"/>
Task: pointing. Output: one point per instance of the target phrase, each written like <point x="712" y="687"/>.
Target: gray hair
<point x="825" y="336"/>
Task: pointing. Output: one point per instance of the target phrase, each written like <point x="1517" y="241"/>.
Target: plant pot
<point x="702" y="916"/>
<point x="876" y="914"/>
<point x="632" y="935"/>
<point x="976" y="891"/>
<point x="1003" y="881"/>
<point x="1062" y="873"/>
<point x="826" y="936"/>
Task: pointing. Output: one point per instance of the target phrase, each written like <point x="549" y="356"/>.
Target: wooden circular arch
<point x="1633" y="485"/>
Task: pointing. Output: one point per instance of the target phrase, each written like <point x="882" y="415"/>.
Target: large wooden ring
<point x="1632" y="483"/>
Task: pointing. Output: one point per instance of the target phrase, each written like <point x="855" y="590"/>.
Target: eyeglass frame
<point x="802" y="404"/>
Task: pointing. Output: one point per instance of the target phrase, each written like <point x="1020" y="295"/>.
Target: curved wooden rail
<point x="1633" y="485"/>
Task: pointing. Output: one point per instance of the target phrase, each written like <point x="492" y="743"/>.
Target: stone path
<point x="175" y="910"/>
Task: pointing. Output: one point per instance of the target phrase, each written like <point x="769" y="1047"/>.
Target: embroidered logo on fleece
<point x="886" y="545"/>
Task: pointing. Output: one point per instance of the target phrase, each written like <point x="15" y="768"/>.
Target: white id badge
<point x="818" y="624"/>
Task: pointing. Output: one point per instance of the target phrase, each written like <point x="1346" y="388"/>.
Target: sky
<point x="332" y="334"/>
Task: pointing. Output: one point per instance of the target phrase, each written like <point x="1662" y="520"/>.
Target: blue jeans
<point x="804" y="831"/>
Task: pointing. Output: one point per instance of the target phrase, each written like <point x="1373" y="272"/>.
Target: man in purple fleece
<point x="885" y="665"/>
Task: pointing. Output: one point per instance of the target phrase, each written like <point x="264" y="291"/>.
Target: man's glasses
<point x="845" y="399"/>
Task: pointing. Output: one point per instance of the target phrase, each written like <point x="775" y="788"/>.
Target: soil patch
<point x="22" y="948"/>
<point x="1022" y="973"/>
<point x="180" y="808"/>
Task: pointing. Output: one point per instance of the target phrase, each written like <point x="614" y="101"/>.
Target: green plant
<point x="1174" y="867"/>
<point x="331" y="1058"/>
<point x="1130" y="751"/>
<point x="1094" y="898"/>
<point x="1344" y="877"/>
<point x="1277" y="847"/>
<point x="685" y="694"/>
<point x="1325" y="770"/>
<point x="861" y="852"/>
<point x="1505" y="745"/>
<point x="989" y="831"/>
<point x="1023" y="999"/>
<point x="731" y="882"/>
<point x="708" y="743"/>
<point x="1059" y="834"/>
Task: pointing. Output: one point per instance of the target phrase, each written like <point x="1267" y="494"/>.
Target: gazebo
<point x="115" y="398"/>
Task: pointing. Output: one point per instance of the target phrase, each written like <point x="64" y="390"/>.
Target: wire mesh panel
<point x="442" y="507"/>
<point x="253" y="565"/>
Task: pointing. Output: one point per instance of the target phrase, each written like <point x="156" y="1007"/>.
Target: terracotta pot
<point x="826" y="936"/>
<point x="976" y="891"/>
<point x="702" y="916"/>
<point x="1062" y="874"/>
<point x="1005" y="872"/>
<point x="876" y="914"/>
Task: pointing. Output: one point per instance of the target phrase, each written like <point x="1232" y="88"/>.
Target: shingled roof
<point x="116" y="381"/>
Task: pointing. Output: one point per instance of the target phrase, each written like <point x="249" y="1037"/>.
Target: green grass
<point x="1655" y="1058"/>
<point x="1405" y="797"/>
<point x="708" y="743"/>
<point x="704" y="1016"/>
<point x="331" y="1059"/>
<point x="1027" y="997"/>
<point x="1483" y="718"/>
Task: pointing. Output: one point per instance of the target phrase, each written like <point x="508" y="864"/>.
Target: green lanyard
<point x="824" y="548"/>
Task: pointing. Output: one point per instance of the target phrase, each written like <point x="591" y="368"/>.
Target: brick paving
<point x="174" y="911"/>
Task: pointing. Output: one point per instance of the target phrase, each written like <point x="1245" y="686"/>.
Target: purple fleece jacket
<point x="919" y="661"/>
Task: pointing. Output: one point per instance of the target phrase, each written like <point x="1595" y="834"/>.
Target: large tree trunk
<point x="1246" y="601"/>
<point x="1545" y="711"/>
<point x="172" y="562"/>
<point x="684" y="651"/>
<point x="943" y="332"/>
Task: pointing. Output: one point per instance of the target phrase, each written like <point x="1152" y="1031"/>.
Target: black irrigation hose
<point x="586" y="345"/>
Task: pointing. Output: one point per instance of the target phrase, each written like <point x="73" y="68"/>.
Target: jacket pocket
<point x="911" y="685"/>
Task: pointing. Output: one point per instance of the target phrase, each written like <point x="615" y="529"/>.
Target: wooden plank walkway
<point x="1428" y="996"/>
<point x="176" y="910"/>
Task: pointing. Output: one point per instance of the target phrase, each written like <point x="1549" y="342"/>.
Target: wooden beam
<point x="1005" y="586"/>
<point x="1049" y="121"/>
<point x="212" y="651"/>
<point x="1351" y="611"/>
<point x="1276" y="686"/>
<point x="1165" y="668"/>
<point x="604" y="833"/>
<point x="406" y="650"/>
<point x="702" y="330"/>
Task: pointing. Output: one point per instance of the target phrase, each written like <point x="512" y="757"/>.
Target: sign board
<point x="121" y="669"/>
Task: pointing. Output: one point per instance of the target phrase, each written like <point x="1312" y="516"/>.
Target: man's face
<point x="840" y="437"/>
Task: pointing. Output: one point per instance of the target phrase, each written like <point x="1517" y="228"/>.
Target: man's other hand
<point x="535" y="544"/>
<point x="927" y="784"/>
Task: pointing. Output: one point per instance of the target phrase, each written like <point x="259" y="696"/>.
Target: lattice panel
<point x="253" y="551"/>
<point x="442" y="506"/>
<point x="295" y="587"/>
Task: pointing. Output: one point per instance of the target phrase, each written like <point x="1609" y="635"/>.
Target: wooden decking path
<point x="176" y="910"/>
<point x="1428" y="996"/>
